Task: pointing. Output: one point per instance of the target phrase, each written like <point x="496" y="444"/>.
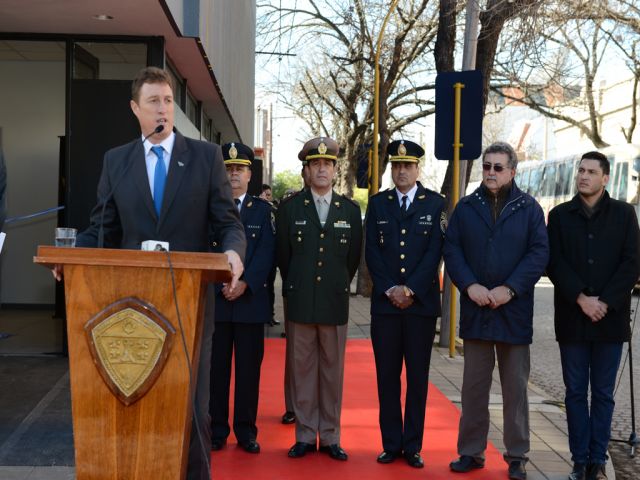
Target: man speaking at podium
<point x="166" y="187"/>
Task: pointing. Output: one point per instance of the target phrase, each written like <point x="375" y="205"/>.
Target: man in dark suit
<point x="166" y="187"/>
<point x="241" y="315"/>
<point x="594" y="265"/>
<point x="405" y="231"/>
<point x="319" y="238"/>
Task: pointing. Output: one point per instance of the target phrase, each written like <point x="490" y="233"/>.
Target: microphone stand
<point x="633" y="441"/>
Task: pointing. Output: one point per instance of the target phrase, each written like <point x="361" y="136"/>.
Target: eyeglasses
<point x="496" y="167"/>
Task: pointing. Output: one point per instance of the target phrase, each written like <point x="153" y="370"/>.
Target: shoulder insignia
<point x="306" y="201"/>
<point x="350" y="200"/>
<point x="286" y="200"/>
<point x="337" y="204"/>
<point x="443" y="222"/>
<point x="422" y="197"/>
<point x="250" y="204"/>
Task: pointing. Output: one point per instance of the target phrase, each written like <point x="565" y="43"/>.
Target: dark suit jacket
<point x="405" y="250"/>
<point x="197" y="200"/>
<point x="317" y="263"/>
<point x="254" y="305"/>
<point x="597" y="256"/>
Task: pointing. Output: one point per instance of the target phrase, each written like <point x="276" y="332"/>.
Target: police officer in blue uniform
<point x="240" y="315"/>
<point x="404" y="237"/>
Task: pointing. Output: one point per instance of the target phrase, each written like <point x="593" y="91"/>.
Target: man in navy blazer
<point x="166" y="187"/>
<point x="405" y="231"/>
<point x="242" y="314"/>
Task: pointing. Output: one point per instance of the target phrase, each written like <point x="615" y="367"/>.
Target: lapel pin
<point x="421" y="197"/>
<point x="390" y="197"/>
<point x="249" y="204"/>
<point x="306" y="202"/>
<point x="180" y="164"/>
<point x="337" y="204"/>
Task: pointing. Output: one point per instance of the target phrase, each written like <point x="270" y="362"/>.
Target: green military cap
<point x="319" y="147"/>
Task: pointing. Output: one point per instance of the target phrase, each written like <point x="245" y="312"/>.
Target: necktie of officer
<point x="323" y="210"/>
<point x="237" y="202"/>
<point x="403" y="207"/>
<point x="159" y="178"/>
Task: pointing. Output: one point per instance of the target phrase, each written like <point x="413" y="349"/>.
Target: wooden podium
<point x="130" y="388"/>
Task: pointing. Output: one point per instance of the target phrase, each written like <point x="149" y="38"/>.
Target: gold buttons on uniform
<point x="402" y="256"/>
<point x="319" y="264"/>
<point x="322" y="235"/>
<point x="299" y="239"/>
<point x="253" y="235"/>
<point x="318" y="278"/>
<point x="402" y="244"/>
<point x="403" y="231"/>
<point x="402" y="270"/>
<point x="321" y="249"/>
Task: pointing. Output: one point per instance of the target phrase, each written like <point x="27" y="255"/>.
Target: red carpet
<point x="360" y="432"/>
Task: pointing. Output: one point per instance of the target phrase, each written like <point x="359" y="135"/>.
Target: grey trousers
<point x="513" y="365"/>
<point x="288" y="403"/>
<point x="316" y="379"/>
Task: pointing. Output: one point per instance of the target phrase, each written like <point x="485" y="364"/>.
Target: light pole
<point x="376" y="103"/>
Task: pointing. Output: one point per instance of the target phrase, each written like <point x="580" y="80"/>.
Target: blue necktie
<point x="159" y="178"/>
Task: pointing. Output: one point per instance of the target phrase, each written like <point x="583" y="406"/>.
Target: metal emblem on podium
<point x="129" y="342"/>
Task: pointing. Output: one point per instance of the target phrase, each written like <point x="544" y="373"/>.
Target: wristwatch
<point x="511" y="292"/>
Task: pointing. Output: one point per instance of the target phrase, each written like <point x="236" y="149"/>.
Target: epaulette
<point x="433" y="192"/>
<point x="356" y="204"/>
<point x="261" y="200"/>
<point x="287" y="199"/>
<point x="381" y="192"/>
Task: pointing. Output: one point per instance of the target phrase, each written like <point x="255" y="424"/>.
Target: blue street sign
<point x="470" y="115"/>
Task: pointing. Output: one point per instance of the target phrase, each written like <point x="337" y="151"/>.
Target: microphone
<point x="156" y="130"/>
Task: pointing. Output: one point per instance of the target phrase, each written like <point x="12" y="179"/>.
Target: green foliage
<point x="361" y="195"/>
<point x="285" y="180"/>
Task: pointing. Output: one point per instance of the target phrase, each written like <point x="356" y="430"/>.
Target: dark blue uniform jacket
<point x="405" y="250"/>
<point x="253" y="306"/>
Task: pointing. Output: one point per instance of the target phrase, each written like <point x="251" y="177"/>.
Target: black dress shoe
<point x="517" y="470"/>
<point x="596" y="471"/>
<point x="465" y="464"/>
<point x="250" y="446"/>
<point x="579" y="472"/>
<point x="387" y="457"/>
<point x="414" y="460"/>
<point x="300" y="449"/>
<point x="218" y="443"/>
<point x="274" y="322"/>
<point x="334" y="451"/>
<point x="288" y="418"/>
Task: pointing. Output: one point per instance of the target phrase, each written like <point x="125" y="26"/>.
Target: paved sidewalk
<point x="549" y="456"/>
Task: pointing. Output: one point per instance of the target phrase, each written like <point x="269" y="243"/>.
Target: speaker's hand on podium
<point x="56" y="271"/>
<point x="236" y="268"/>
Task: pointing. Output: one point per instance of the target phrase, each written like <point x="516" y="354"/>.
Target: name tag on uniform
<point x="341" y="224"/>
<point x="301" y="222"/>
<point x="382" y="222"/>
<point x="253" y="226"/>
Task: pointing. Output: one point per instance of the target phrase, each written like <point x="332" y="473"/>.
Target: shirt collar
<point x="166" y="144"/>
<point x="241" y="198"/>
<point x="326" y="196"/>
<point x="410" y="194"/>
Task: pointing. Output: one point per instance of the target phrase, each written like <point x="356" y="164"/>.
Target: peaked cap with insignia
<point x="319" y="147"/>
<point x="405" y="151"/>
<point x="236" y="153"/>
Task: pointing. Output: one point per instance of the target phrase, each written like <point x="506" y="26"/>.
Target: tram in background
<point x="552" y="182"/>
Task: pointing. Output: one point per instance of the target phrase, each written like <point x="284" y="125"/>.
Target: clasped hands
<point x="484" y="297"/>
<point x="400" y="296"/>
<point x="593" y="307"/>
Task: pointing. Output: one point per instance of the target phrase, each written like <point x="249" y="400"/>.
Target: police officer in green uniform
<point x="318" y="243"/>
